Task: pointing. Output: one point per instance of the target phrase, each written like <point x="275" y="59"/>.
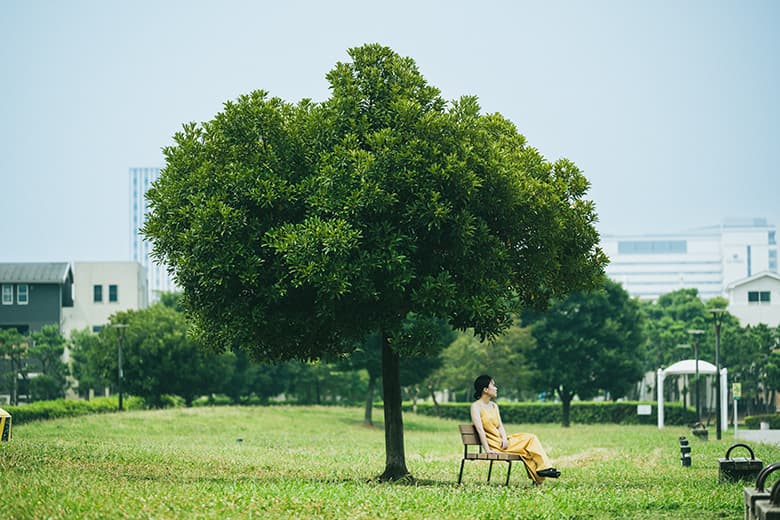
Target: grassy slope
<point x="317" y="463"/>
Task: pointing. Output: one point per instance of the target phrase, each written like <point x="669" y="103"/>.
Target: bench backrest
<point x="469" y="435"/>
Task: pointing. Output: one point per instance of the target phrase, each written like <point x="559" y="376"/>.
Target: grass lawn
<point x="318" y="462"/>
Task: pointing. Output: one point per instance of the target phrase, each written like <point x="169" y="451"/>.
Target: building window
<point x="652" y="247"/>
<point x="773" y="260"/>
<point x="772" y="240"/>
<point x="759" y="297"/>
<point x="97" y="293"/>
<point x="22" y="294"/>
<point x="8" y="294"/>
<point x="113" y="293"/>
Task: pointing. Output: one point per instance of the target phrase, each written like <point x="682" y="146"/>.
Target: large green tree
<point x="586" y="343"/>
<point x="747" y="353"/>
<point x="295" y="229"/>
<point x="158" y="357"/>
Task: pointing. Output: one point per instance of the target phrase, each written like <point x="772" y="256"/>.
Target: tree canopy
<point x="296" y="228"/>
<point x="588" y="342"/>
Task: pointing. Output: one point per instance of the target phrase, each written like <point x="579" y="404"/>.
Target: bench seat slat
<point x="493" y="456"/>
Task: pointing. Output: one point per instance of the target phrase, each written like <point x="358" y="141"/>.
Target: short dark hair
<point x="480" y="384"/>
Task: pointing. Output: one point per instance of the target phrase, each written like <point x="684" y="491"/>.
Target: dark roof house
<point x="33" y="294"/>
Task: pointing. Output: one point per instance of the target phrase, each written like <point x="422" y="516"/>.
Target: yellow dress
<point x="526" y="445"/>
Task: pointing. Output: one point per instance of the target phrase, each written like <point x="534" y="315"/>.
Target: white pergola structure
<point x="688" y="366"/>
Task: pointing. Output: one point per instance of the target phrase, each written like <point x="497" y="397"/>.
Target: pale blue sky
<point x="671" y="108"/>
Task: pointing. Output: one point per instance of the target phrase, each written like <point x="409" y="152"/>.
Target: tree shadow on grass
<point x="409" y="425"/>
<point x="269" y="479"/>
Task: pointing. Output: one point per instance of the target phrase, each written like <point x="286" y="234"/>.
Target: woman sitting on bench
<point x="487" y="421"/>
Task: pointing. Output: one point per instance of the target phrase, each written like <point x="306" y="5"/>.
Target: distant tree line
<point x="597" y="343"/>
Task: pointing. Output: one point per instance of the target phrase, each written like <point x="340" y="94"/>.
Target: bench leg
<point x="490" y="470"/>
<point x="460" y="475"/>
<point x="508" y="471"/>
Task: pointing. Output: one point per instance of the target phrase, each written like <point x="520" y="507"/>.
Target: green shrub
<point x="753" y="422"/>
<point x="582" y="412"/>
<point x="41" y="410"/>
<point x="213" y="400"/>
<point x="172" y="401"/>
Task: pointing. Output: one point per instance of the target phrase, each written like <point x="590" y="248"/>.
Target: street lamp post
<point x="696" y="333"/>
<point x="120" y="373"/>
<point x="717" y="319"/>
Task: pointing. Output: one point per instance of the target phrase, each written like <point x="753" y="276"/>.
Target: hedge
<point x="41" y="410"/>
<point x="582" y="412"/>
<point x="753" y="422"/>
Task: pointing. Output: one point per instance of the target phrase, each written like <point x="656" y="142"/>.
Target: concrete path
<point x="765" y="436"/>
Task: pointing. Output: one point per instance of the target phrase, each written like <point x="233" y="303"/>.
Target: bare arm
<point x="476" y="419"/>
<point x="501" y="430"/>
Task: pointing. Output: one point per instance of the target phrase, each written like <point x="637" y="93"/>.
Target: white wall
<point x="132" y="293"/>
<point x="755" y="313"/>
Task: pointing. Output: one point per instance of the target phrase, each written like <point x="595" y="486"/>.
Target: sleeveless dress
<point x="526" y="445"/>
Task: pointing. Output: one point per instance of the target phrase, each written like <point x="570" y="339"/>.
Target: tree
<point x="773" y="371"/>
<point x="667" y="322"/>
<point x="506" y="359"/>
<point x="158" y="357"/>
<point x="297" y="229"/>
<point x="423" y="339"/>
<point x="368" y="357"/>
<point x="747" y="352"/>
<point x="91" y="362"/>
<point x="47" y="347"/>
<point x="588" y="342"/>
<point x="13" y="347"/>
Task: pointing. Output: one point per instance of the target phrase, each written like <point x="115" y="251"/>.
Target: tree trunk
<point x="367" y="420"/>
<point x="395" y="460"/>
<point x="435" y="402"/>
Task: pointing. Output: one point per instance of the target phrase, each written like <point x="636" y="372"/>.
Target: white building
<point x="102" y="288"/>
<point x="756" y="299"/>
<point x="708" y="259"/>
<point x="141" y="180"/>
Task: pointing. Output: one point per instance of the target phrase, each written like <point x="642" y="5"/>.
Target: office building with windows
<point x="709" y="259"/>
<point x="141" y="180"/>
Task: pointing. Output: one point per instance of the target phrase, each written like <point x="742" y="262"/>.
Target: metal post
<point x="120" y="373"/>
<point x="717" y="318"/>
<point x="695" y="333"/>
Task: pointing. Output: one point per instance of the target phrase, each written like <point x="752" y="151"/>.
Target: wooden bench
<point x="470" y="437"/>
